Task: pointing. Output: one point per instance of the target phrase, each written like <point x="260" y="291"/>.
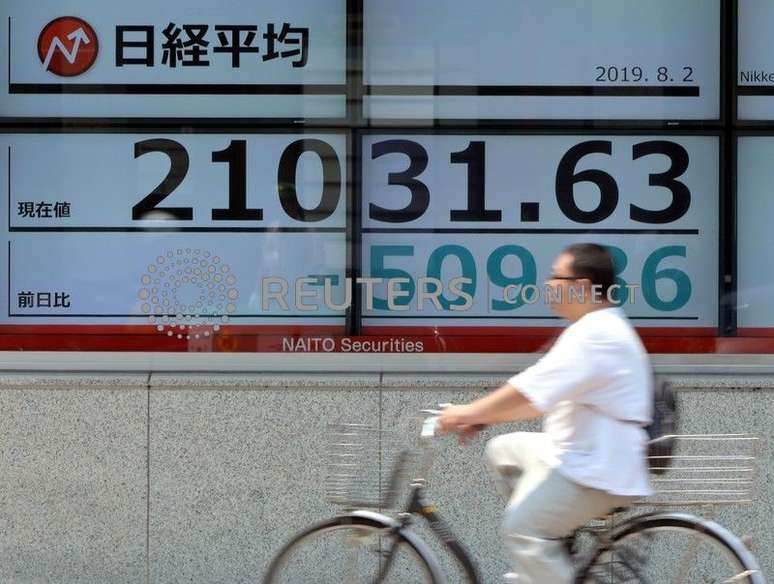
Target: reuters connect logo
<point x="67" y="46"/>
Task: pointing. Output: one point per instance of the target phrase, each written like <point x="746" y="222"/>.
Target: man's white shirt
<point x="595" y="387"/>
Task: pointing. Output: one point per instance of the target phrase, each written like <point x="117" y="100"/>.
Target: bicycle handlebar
<point x="427" y="438"/>
<point x="430" y="425"/>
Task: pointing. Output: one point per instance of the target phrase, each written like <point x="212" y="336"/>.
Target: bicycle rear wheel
<point x="351" y="550"/>
<point x="673" y="549"/>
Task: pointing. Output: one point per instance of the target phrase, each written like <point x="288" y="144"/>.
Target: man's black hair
<point x="592" y="261"/>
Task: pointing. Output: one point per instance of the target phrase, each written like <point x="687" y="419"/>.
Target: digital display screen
<point x="473" y="222"/>
<point x="755" y="210"/>
<point x="181" y="233"/>
<point x="174" y="59"/>
<point x="542" y="60"/>
<point x="400" y="174"/>
<point x="755" y="77"/>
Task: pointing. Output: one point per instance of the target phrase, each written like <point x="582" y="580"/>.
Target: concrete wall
<point x="169" y="477"/>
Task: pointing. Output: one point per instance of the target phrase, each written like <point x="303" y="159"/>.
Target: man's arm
<point x="505" y="404"/>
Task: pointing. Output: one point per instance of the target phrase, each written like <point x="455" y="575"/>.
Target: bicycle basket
<point x="365" y="466"/>
<point x="705" y="469"/>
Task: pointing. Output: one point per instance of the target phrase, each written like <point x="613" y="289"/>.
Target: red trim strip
<point x="501" y="331"/>
<point x="134" y="329"/>
<point x="307" y="338"/>
<point x="755" y="332"/>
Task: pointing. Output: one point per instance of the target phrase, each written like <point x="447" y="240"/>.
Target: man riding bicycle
<point x="595" y="389"/>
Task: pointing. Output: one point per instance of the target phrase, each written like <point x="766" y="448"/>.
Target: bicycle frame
<point x="418" y="504"/>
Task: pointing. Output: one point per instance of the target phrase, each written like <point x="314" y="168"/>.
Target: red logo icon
<point x="67" y="46"/>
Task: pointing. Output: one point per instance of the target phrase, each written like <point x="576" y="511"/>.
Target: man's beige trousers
<point x="543" y="507"/>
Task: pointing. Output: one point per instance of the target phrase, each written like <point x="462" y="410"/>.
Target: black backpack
<point x="662" y="430"/>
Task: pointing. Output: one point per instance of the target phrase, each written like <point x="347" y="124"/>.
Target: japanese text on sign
<point x="189" y="45"/>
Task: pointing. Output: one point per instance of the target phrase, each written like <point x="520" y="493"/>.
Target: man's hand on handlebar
<point x="454" y="419"/>
<point x="467" y="433"/>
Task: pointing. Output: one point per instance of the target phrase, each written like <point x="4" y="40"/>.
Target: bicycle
<point x="649" y="548"/>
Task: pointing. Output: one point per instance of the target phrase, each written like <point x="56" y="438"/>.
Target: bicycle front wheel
<point x="673" y="549"/>
<point x="352" y="550"/>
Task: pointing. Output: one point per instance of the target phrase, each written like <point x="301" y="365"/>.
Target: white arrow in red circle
<point x="79" y="36"/>
<point x="67" y="46"/>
